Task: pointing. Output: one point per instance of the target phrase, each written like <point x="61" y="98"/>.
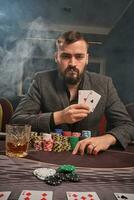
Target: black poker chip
<point x="62" y="176"/>
<point x="63" y="173"/>
<point x="53" y="180"/>
<point x="73" y="177"/>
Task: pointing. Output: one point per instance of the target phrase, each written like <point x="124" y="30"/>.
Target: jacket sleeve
<point x="29" y="109"/>
<point x="121" y="125"/>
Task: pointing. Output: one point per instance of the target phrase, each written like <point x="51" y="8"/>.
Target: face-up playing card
<point x="36" y="195"/>
<point x="4" y="195"/>
<point x="82" y="196"/>
<point x="124" y="196"/>
<point x="90" y="97"/>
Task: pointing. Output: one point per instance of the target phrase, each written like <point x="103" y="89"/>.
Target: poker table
<point x="109" y="172"/>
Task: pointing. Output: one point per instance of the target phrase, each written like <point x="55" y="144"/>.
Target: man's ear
<point x="55" y="56"/>
<point x="87" y="59"/>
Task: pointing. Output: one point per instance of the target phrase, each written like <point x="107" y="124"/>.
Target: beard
<point x="72" y="75"/>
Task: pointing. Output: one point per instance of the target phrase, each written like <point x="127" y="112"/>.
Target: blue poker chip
<point x="59" y="131"/>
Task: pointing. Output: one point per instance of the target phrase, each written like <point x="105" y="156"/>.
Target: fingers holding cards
<point x="90" y="97"/>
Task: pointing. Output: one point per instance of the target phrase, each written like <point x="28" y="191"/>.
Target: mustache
<point x="71" y="68"/>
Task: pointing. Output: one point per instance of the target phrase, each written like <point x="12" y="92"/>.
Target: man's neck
<point x="73" y="90"/>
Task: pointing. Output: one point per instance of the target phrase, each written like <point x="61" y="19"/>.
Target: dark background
<point x="28" y="29"/>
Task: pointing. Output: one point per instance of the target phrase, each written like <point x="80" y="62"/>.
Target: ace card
<point x="90" y="97"/>
<point x="124" y="196"/>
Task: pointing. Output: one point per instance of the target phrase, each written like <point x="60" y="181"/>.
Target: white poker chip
<point x="43" y="173"/>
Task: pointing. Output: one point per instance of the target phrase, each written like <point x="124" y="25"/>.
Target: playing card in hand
<point x="36" y="195"/>
<point x="82" y="195"/>
<point x="90" y="97"/>
<point x="4" y="195"/>
<point x="124" y="196"/>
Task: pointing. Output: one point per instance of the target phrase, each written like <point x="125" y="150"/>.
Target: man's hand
<point x="94" y="144"/>
<point x="71" y="114"/>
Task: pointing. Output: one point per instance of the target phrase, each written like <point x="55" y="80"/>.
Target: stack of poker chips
<point x="57" y="145"/>
<point x="33" y="137"/>
<point x="56" y="177"/>
<point x="76" y="134"/>
<point x="38" y="143"/>
<point x="41" y="142"/>
<point x="58" y="131"/>
<point x="65" y="144"/>
<point x="85" y="134"/>
<point x="63" y="173"/>
<point x="61" y="143"/>
<point x="47" y="142"/>
<point x="67" y="133"/>
<point x="74" y="139"/>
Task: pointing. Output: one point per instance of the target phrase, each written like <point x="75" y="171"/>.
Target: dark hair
<point x="69" y="38"/>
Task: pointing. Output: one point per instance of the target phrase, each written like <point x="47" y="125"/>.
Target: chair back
<point x="130" y="109"/>
<point x="1" y="117"/>
<point x="102" y="125"/>
<point x="7" y="109"/>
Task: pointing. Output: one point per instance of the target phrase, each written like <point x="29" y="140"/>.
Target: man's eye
<point x="79" y="56"/>
<point x="65" y="56"/>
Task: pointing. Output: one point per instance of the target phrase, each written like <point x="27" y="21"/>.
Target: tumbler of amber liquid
<point x="17" y="140"/>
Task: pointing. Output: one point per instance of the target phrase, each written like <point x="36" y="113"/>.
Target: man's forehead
<point x="80" y="45"/>
<point x="69" y="53"/>
<point x="73" y="51"/>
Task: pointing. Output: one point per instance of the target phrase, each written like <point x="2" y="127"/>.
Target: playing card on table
<point x="124" y="196"/>
<point x="90" y="97"/>
<point x="4" y="195"/>
<point x="36" y="195"/>
<point x="82" y="196"/>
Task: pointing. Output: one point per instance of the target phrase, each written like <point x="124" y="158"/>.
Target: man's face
<point x="72" y="60"/>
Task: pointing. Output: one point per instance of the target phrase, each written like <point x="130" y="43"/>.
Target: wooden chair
<point x="1" y="117"/>
<point x="7" y="109"/>
<point x="130" y="109"/>
<point x="102" y="125"/>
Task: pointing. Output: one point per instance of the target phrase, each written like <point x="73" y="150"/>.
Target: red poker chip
<point x="67" y="133"/>
<point x="76" y="134"/>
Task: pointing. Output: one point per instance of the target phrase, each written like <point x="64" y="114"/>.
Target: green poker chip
<point x="66" y="169"/>
<point x="73" y="141"/>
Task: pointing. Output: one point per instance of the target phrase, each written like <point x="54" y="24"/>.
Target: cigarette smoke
<point x="18" y="61"/>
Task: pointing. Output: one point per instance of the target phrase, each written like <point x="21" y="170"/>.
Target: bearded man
<point x="52" y="100"/>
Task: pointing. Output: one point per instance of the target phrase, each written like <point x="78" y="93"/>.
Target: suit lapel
<point x="86" y="82"/>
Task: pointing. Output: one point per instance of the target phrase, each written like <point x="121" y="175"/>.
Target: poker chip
<point x="43" y="173"/>
<point x="59" y="177"/>
<point x="76" y="134"/>
<point x="73" y="177"/>
<point x="53" y="180"/>
<point x="62" y="176"/>
<point x="66" y="169"/>
<point x="86" y="133"/>
<point x="67" y="133"/>
<point x="73" y="141"/>
<point x="56" y="177"/>
<point x="59" y="131"/>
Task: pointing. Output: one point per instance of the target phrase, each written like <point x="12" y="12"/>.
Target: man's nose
<point x="72" y="61"/>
